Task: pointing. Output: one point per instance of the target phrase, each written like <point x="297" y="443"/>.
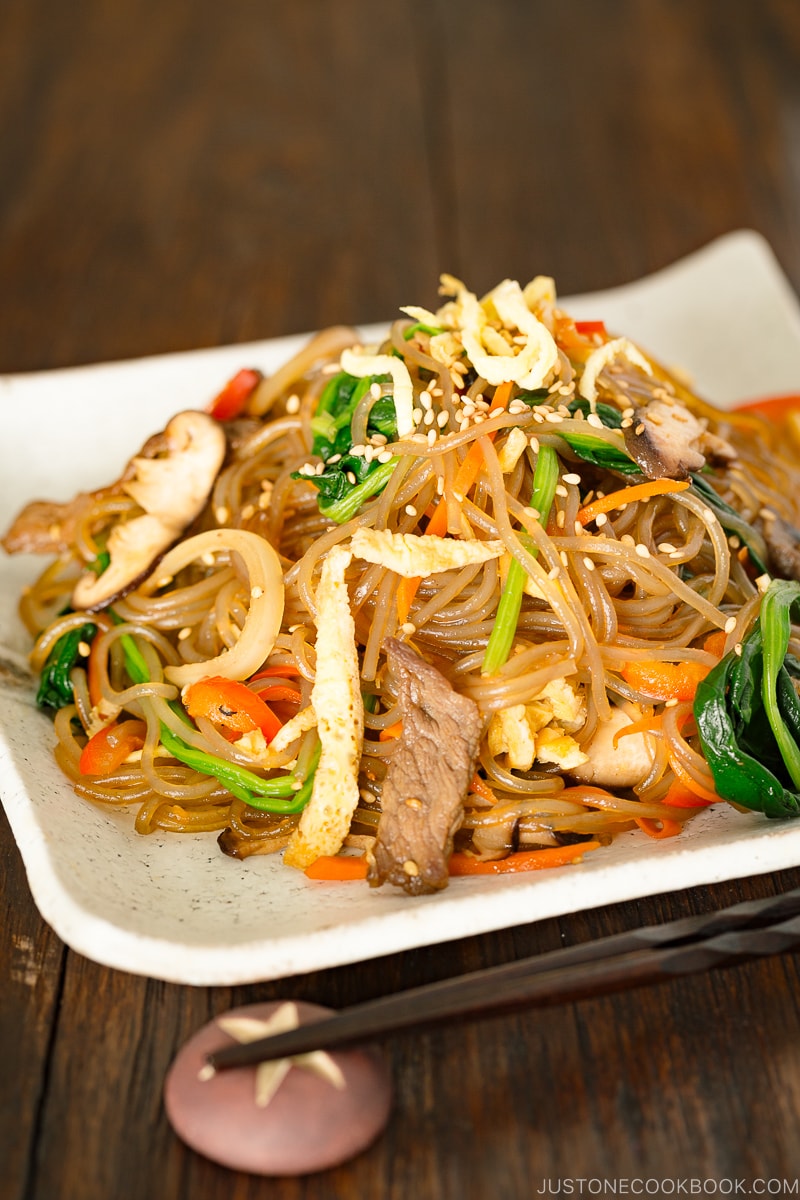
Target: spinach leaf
<point x="747" y="713"/>
<point x="600" y="453"/>
<point x="55" y="686"/>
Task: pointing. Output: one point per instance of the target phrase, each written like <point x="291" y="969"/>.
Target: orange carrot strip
<point x="640" y="491"/>
<point x="646" y="725"/>
<point x="466" y="475"/>
<point x="715" y="643"/>
<point x="665" y="680"/>
<point x="680" y="796"/>
<point x="659" y="829"/>
<point x="523" y="860"/>
<point x="688" y="782"/>
<point x="390" y="732"/>
<point x="331" y="867"/>
<point x="481" y="788"/>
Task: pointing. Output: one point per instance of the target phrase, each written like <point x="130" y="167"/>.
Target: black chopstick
<point x="689" y="945"/>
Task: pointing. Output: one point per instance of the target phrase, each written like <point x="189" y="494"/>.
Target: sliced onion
<point x="263" y="621"/>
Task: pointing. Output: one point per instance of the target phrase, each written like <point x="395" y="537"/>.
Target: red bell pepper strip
<point x="108" y="749"/>
<point x="231" y="401"/>
<point x="232" y="705"/>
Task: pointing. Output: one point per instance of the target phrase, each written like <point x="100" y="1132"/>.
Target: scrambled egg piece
<point x="512" y="449"/>
<point x="413" y="554"/>
<point x="339" y="708"/>
<point x="365" y="364"/>
<point x="601" y="357"/>
<point x="541" y="729"/>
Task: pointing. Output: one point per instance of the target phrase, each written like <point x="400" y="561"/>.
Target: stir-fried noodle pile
<point x="500" y="551"/>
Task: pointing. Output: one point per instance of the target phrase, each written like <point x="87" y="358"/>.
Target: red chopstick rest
<point x="289" y="1117"/>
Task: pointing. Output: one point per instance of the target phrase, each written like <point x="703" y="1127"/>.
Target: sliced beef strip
<point x="429" y="772"/>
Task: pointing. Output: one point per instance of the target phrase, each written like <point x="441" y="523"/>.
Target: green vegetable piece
<point x="747" y="713"/>
<point x="600" y="453"/>
<point x="345" y="507"/>
<point x="545" y="479"/>
<point x="55" y="686"/>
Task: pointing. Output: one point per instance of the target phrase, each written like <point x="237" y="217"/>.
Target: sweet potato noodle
<point x="587" y="541"/>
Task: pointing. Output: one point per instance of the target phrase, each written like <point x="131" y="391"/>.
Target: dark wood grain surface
<point x="176" y="175"/>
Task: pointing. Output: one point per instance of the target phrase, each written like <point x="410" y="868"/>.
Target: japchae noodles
<point x="478" y="598"/>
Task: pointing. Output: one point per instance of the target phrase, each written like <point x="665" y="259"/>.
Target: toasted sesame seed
<point x="533" y="512"/>
<point x="578" y="529"/>
<point x="762" y="583"/>
<point x="594" y="420"/>
<point x="561" y="517"/>
<point x="378" y="439"/>
<point x="351" y="478"/>
<point x="561" y="490"/>
<point x="429" y="416"/>
<point x="639" y="430"/>
<point x="426" y="400"/>
<point x="417" y="416"/>
<point x="627" y="540"/>
<point x="385" y="456"/>
<point x="411" y="510"/>
<point x="554" y="573"/>
<point x="208" y="559"/>
<point x="554" y="418"/>
<point x="375" y="390"/>
<point x="184" y="633"/>
<point x="571" y="478"/>
<point x="588" y="563"/>
<point x="562" y="554"/>
<point x="248" y="511"/>
<point x="627" y="412"/>
<point x="440" y="485"/>
<point x="734" y="542"/>
<point x="84" y="649"/>
<point x="600" y="520"/>
<point x="730" y="624"/>
<point x="673" y="703"/>
<point x="408" y="627"/>
<point x="666" y="547"/>
<point x="293" y="405"/>
<point x="332" y="368"/>
<point x="533" y="442"/>
<point x="413" y="802"/>
<point x="319" y="469"/>
<point x="432" y="437"/>
<point x="626" y="423"/>
<point x="369" y="453"/>
<point x="737" y="649"/>
<point x="410" y="867"/>
<point x="358" y="451"/>
<point x="221" y="515"/>
<point x="256" y="592"/>
<point x="442" y="419"/>
<point x="642" y="550"/>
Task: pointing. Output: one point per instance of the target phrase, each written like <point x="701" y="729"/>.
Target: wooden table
<point x="177" y="175"/>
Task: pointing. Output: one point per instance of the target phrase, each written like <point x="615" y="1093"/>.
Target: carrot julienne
<point x="629" y="495"/>
<point x="665" y="680"/>
<point x="659" y="829"/>
<point x="522" y="860"/>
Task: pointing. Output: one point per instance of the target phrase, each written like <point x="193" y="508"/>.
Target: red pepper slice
<point x="776" y="408"/>
<point x="590" y="328"/>
<point x="231" y="401"/>
<point x="232" y="705"/>
<point x="109" y="748"/>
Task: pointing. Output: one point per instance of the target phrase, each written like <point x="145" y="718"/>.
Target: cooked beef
<point x="783" y="543"/>
<point x="429" y="772"/>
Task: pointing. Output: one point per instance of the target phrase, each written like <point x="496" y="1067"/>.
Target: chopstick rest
<point x="287" y="1116"/>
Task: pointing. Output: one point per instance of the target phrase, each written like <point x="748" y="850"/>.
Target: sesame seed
<point x="561" y="490"/>
<point x="578" y="529"/>
<point x="600" y="520"/>
<point x="561" y="517"/>
<point x="256" y="592"/>
<point x="666" y="547"/>
<point x="673" y="703"/>
<point x="413" y="802"/>
<point x="432" y="437"/>
<point x="84" y="649"/>
<point x="379" y="439"/>
<point x="221" y="515"/>
<point x="442" y="419"/>
<point x="184" y="633"/>
<point x="627" y="412"/>
<point x="642" y="550"/>
<point x="426" y="400"/>
<point x="369" y="453"/>
<point x="351" y="478"/>
<point x="762" y="583"/>
<point x="440" y="485"/>
<point x="639" y="430"/>
<point x="730" y="624"/>
<point x="293" y="405"/>
<point x="571" y="478"/>
<point x="428" y="418"/>
<point x="533" y="442"/>
<point x="734" y="542"/>
<point x="709" y="515"/>
<point x="385" y="456"/>
<point x="626" y="423"/>
<point x="331" y="369"/>
<point x="496" y="412"/>
<point x="593" y="419"/>
<point x="358" y="451"/>
<point x="334" y="458"/>
<point x="408" y="628"/>
<point x="412" y="512"/>
<point x="554" y="573"/>
<point x="737" y="649"/>
<point x="533" y="512"/>
<point x="410" y="867"/>
<point x="588" y="563"/>
<point x="416" y="416"/>
<point x="319" y="469"/>
<point x="554" y="418"/>
<point x="562" y="554"/>
<point x="375" y="391"/>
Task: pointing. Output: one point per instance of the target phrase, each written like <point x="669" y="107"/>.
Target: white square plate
<point x="174" y="907"/>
